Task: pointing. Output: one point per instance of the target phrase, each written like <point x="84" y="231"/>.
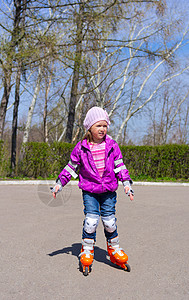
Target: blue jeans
<point x="101" y="205"/>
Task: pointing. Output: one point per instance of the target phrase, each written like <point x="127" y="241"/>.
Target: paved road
<point x="40" y="242"/>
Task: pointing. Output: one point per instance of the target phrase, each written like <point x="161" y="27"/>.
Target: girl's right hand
<point x="57" y="188"/>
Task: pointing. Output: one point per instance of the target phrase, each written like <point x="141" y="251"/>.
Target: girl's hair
<point x="88" y="136"/>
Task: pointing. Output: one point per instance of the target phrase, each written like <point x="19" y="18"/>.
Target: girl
<point x="100" y="165"/>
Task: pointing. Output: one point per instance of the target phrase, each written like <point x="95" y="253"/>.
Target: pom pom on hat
<point x="95" y="114"/>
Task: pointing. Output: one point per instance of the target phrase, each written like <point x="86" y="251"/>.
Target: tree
<point x="137" y="62"/>
<point x="169" y="117"/>
<point x="32" y="105"/>
<point x="19" y="31"/>
<point x="76" y="72"/>
<point x="8" y="54"/>
<point x="104" y="53"/>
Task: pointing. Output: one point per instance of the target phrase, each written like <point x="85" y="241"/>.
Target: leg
<point x="87" y="250"/>
<point x="89" y="233"/>
<point x="117" y="255"/>
<point x="110" y="228"/>
<point x="107" y="207"/>
<point x="90" y="225"/>
<point x="91" y="210"/>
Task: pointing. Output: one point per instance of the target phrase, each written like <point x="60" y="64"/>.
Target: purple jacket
<point x="89" y="178"/>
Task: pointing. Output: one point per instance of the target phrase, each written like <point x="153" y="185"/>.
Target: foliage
<point x="4" y="160"/>
<point x="122" y="58"/>
<point x="40" y="159"/>
<point x="169" y="161"/>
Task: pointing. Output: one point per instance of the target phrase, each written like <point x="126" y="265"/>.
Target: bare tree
<point x="19" y="30"/>
<point x="6" y="61"/>
<point x="76" y="72"/>
<point x="169" y="117"/>
<point x="111" y="54"/>
<point x="138" y="69"/>
<point x="32" y="105"/>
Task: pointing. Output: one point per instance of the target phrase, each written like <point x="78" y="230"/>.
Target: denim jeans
<point x="101" y="205"/>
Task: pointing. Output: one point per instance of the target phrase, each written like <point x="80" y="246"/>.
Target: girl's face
<point x="98" y="131"/>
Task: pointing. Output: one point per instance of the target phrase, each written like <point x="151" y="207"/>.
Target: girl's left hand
<point x="129" y="192"/>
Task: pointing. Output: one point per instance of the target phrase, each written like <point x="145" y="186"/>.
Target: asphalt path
<point x="40" y="240"/>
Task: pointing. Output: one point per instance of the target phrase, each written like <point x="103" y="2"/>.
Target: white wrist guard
<point x="126" y="183"/>
<point x="58" y="183"/>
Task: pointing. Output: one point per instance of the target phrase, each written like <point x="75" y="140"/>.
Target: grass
<point x="143" y="178"/>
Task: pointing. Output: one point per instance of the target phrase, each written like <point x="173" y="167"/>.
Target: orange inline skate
<point x="117" y="255"/>
<point x="86" y="256"/>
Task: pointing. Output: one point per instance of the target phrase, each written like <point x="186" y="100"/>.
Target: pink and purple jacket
<point x="89" y="179"/>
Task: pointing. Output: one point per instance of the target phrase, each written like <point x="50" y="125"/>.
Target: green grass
<point x="134" y="178"/>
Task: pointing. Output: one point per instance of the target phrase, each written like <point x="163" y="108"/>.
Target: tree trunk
<point x="47" y="89"/>
<point x="18" y="34"/>
<point x="4" y="103"/>
<point x="75" y="80"/>
<point x="15" y="120"/>
<point x="31" y="108"/>
<point x="45" y="129"/>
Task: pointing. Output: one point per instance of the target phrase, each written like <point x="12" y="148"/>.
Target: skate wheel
<point x="86" y="271"/>
<point x="80" y="267"/>
<point x="127" y="268"/>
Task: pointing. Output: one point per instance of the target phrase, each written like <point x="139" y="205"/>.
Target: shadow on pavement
<point x="100" y="254"/>
<point x="73" y="250"/>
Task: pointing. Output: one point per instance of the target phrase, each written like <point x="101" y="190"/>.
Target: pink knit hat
<point x="95" y="114"/>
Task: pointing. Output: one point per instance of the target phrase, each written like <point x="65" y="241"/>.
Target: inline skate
<point x="117" y="254"/>
<point x="86" y="256"/>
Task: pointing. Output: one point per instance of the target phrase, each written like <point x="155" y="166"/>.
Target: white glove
<point x="128" y="190"/>
<point x="57" y="188"/>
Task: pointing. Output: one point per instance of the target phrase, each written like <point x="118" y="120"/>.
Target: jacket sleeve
<point x="119" y="167"/>
<point x="70" y="169"/>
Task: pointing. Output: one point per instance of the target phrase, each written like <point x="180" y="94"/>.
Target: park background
<point x="59" y="58"/>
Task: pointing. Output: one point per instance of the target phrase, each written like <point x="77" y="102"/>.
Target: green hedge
<point x="171" y="161"/>
<point x="42" y="160"/>
<point x="4" y="160"/>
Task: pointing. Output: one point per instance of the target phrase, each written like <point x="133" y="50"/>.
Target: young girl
<point x="100" y="165"/>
